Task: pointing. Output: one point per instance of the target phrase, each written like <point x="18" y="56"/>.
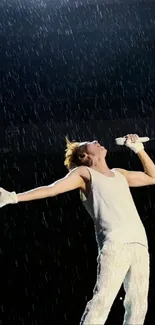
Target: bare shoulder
<point x="122" y="171"/>
<point x="83" y="173"/>
<point x="83" y="177"/>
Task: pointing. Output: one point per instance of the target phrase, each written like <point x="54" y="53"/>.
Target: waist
<point x="122" y="235"/>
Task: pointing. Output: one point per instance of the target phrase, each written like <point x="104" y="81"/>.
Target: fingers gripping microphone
<point x="121" y="141"/>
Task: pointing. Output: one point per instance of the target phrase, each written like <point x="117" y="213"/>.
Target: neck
<point x="101" y="166"/>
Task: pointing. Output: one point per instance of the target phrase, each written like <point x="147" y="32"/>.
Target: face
<point x="94" y="148"/>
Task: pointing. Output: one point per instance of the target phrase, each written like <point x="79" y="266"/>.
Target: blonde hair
<point x="74" y="154"/>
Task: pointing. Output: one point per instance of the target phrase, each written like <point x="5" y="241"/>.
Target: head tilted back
<point x="74" y="152"/>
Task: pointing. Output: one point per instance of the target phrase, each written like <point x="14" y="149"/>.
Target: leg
<point x="114" y="262"/>
<point x="136" y="285"/>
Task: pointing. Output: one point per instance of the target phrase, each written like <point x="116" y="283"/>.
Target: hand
<point x="131" y="143"/>
<point x="7" y="197"/>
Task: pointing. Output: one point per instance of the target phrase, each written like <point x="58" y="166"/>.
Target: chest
<point x="114" y="189"/>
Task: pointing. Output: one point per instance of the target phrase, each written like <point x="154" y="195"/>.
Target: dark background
<point x="86" y="69"/>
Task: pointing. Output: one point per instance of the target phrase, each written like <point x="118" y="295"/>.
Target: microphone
<point x="121" y="141"/>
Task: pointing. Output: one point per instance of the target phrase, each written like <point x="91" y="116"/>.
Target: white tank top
<point x="111" y="206"/>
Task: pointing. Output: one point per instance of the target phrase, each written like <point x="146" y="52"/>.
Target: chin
<point x="105" y="151"/>
<point x="103" y="148"/>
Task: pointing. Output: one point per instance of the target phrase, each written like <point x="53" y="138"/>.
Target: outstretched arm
<point x="70" y="182"/>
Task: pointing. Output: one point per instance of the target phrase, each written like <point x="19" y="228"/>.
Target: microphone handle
<point x="120" y="141"/>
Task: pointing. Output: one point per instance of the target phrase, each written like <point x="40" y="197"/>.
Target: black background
<point x="86" y="69"/>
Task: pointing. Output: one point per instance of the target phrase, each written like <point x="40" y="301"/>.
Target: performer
<point x="122" y="243"/>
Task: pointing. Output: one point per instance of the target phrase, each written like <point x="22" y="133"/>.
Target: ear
<point x="83" y="155"/>
<point x="85" y="159"/>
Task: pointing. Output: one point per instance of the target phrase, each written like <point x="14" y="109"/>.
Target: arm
<point x="139" y="178"/>
<point x="148" y="164"/>
<point x="70" y="182"/>
<point x="136" y="179"/>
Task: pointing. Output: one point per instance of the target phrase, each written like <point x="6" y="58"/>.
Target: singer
<point x="123" y="256"/>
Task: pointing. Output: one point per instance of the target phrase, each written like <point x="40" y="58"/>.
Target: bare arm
<point x="136" y="179"/>
<point x="71" y="181"/>
<point x="148" y="164"/>
<point x="139" y="178"/>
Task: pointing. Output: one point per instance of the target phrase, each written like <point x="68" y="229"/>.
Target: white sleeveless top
<point x="111" y="206"/>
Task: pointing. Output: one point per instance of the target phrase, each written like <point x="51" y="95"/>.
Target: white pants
<point x="117" y="264"/>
